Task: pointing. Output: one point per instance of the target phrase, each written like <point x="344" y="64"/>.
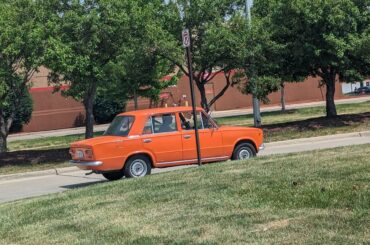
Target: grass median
<point x="319" y="197"/>
<point x="308" y="122"/>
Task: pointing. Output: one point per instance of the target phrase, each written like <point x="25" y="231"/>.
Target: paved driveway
<point x="14" y="189"/>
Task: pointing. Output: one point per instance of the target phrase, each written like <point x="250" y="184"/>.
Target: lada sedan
<point x="137" y="141"/>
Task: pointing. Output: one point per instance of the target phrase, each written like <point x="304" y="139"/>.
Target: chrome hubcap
<point x="139" y="168"/>
<point x="244" y="154"/>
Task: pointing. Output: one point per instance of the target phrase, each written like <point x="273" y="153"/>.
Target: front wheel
<point x="244" y="151"/>
<point x="137" y="166"/>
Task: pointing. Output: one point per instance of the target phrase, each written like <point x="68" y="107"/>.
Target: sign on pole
<point x="186" y="38"/>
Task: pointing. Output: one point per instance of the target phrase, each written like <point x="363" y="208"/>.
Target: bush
<point x="23" y="111"/>
<point x="106" y="107"/>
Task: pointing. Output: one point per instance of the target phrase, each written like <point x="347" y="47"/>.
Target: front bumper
<point x="82" y="164"/>
<point x="262" y="147"/>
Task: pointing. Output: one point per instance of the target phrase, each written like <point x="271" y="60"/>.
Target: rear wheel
<point x="244" y="151"/>
<point x="113" y="175"/>
<point x="137" y="166"/>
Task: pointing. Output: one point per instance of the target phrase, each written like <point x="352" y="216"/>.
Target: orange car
<point x="138" y="141"/>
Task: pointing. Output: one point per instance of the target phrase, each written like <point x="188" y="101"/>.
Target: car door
<point x="209" y="136"/>
<point x="162" y="138"/>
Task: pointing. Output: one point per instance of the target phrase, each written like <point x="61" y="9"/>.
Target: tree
<point x="216" y="40"/>
<point x="257" y="70"/>
<point x="267" y="63"/>
<point x="139" y="70"/>
<point x="21" y="52"/>
<point x="326" y="38"/>
<point x="86" y="37"/>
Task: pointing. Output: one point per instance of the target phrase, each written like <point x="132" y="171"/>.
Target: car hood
<point x="97" y="141"/>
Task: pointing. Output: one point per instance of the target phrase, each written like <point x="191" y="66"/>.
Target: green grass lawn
<point x="23" y="168"/>
<point x="319" y="197"/>
<point x="308" y="122"/>
<point x="277" y="117"/>
<point x="47" y="142"/>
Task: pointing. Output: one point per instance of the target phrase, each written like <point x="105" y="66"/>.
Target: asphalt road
<point x="25" y="187"/>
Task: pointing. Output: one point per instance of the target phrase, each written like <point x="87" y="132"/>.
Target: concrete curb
<point x="54" y="171"/>
<point x="322" y="138"/>
<point x="58" y="171"/>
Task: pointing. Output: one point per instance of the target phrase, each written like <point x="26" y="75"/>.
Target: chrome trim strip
<point x="262" y="147"/>
<point x="86" y="164"/>
<point x="194" y="160"/>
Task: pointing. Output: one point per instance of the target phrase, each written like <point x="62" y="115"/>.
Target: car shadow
<point x="82" y="185"/>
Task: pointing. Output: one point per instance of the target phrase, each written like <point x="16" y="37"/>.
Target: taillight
<point x="89" y="154"/>
<point x="81" y="154"/>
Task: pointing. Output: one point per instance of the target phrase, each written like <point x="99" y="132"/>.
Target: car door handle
<point x="187" y="136"/>
<point x="147" y="140"/>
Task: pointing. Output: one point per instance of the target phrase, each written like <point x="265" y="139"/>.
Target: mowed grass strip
<point x="319" y="197"/>
<point x="308" y="122"/>
<point x="277" y="117"/>
<point x="55" y="142"/>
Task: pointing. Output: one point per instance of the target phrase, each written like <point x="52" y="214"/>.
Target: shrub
<point x="23" y="111"/>
<point x="107" y="106"/>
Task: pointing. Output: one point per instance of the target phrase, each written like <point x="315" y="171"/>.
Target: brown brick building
<point x="53" y="111"/>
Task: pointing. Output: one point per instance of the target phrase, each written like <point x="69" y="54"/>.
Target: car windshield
<point x="120" y="126"/>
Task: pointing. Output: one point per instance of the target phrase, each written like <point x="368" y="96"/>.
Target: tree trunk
<point x="3" y="141"/>
<point x="4" y="131"/>
<point x="89" y="107"/>
<point x="136" y="105"/>
<point x="282" y="97"/>
<point x="203" y="97"/>
<point x="331" y="110"/>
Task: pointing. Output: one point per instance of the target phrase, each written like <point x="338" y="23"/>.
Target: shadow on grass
<point x="320" y="122"/>
<point x="32" y="157"/>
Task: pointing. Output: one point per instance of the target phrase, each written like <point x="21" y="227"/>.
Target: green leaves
<point x="22" y="42"/>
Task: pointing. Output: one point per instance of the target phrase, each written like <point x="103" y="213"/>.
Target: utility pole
<point x="186" y="41"/>
<point x="255" y="101"/>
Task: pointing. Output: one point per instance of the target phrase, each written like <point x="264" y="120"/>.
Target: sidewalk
<point x="214" y="114"/>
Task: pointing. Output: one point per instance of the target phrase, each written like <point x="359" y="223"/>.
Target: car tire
<point x="244" y="151"/>
<point x="113" y="175"/>
<point x="137" y="166"/>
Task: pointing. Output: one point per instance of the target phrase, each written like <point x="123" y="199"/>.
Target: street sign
<point x="186" y="38"/>
<point x="186" y="43"/>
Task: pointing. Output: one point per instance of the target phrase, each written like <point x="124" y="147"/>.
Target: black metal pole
<point x="188" y="54"/>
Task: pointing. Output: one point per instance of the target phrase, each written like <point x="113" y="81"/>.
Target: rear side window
<point x="120" y="126"/>
<point x="160" y="124"/>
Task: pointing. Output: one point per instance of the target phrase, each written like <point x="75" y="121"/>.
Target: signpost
<point x="186" y="42"/>
<point x="255" y="101"/>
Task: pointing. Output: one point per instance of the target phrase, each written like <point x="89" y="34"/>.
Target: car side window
<point x="187" y="121"/>
<point x="148" y="129"/>
<point x="206" y="121"/>
<point x="161" y="124"/>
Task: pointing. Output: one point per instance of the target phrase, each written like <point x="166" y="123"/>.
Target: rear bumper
<point x="262" y="147"/>
<point x="82" y="164"/>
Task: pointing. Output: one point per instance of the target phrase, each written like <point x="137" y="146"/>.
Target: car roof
<point x="159" y="111"/>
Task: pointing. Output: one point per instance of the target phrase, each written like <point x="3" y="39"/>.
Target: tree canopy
<point x="216" y="40"/>
<point x="22" y="42"/>
<point x="324" y="38"/>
